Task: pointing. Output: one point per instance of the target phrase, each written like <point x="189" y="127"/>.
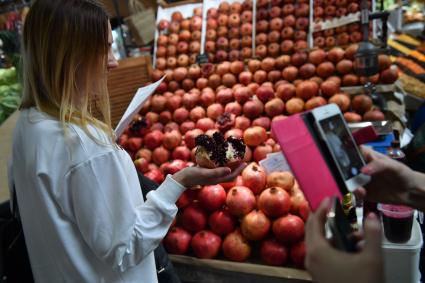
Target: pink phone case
<point x="305" y="159"/>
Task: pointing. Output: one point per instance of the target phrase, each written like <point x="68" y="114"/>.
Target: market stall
<point x="236" y="67"/>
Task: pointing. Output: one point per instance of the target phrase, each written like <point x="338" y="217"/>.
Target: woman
<point x="78" y="193"/>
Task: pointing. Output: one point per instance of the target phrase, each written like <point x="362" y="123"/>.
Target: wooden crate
<point x="123" y="82"/>
<point x="165" y="4"/>
<point x="194" y="270"/>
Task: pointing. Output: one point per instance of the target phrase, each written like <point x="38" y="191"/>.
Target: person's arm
<point x="106" y="205"/>
<point x="329" y="265"/>
<point x="392" y="181"/>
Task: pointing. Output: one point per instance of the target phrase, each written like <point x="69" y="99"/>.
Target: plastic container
<point x="401" y="261"/>
<point x="397" y="222"/>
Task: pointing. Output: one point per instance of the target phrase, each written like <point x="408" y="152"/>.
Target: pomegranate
<point x="294" y="105"/>
<point x="254" y="177"/>
<point x="264" y="93"/>
<point x="173" y="167"/>
<point x="155" y="175"/>
<point x="274" y="107"/>
<point x="374" y="115"/>
<point x="289" y="228"/>
<point x="153" y="139"/>
<point x="240" y="201"/>
<point x="194" y="218"/>
<point x="253" y="109"/>
<point x="352" y="117"/>
<point x="273" y="252"/>
<point x="274" y="202"/>
<point x="181" y="152"/>
<point x="315" y="102"/>
<point x="160" y="155"/>
<point x="236" y="247"/>
<point x="261" y="151"/>
<point x="221" y="222"/>
<point x="342" y="100"/>
<point x="212" y="197"/>
<point x="205" y="124"/>
<point x="177" y="241"/>
<point x="284" y="180"/>
<point x="142" y="165"/>
<point x="206" y="244"/>
<point x="255" y="136"/>
<point x="189" y="137"/>
<point x="242" y="123"/>
<point x="298" y="254"/>
<point x="172" y="139"/>
<point x="361" y="103"/>
<point x="329" y="88"/>
<point x="255" y="225"/>
<point x="307" y="89"/>
<point x="242" y="94"/>
<point x="186" y="198"/>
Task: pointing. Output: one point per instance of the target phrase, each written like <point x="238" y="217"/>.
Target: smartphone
<point x="333" y="131"/>
<point x="339" y="228"/>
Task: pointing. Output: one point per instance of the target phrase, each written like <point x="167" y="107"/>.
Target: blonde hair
<point x="65" y="53"/>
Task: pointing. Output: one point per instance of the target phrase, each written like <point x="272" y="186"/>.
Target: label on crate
<point x="337" y="22"/>
<point x="275" y="162"/>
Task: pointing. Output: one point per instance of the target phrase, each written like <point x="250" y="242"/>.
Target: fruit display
<point x="179" y="40"/>
<point x="281" y="27"/>
<point x="241" y="101"/>
<point x="233" y="220"/>
<point x="329" y="28"/>
<point x="229" y="31"/>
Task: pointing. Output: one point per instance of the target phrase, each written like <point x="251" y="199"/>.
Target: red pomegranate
<point x="298" y="254"/>
<point x="236" y="247"/>
<point x="240" y="200"/>
<point x="186" y="198"/>
<point x="274" y="202"/>
<point x="255" y="136"/>
<point x="155" y="175"/>
<point x="160" y="155"/>
<point x="153" y="139"/>
<point x="221" y="222"/>
<point x="212" y="197"/>
<point x="289" y="228"/>
<point x="206" y="244"/>
<point x="173" y="167"/>
<point x="177" y="241"/>
<point x="284" y="180"/>
<point x="273" y="252"/>
<point x="194" y="218"/>
<point x="254" y="177"/>
<point x="181" y="152"/>
<point x="172" y="139"/>
<point x="255" y="225"/>
<point x="261" y="151"/>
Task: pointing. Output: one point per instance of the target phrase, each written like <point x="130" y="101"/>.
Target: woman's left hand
<point x="194" y="176"/>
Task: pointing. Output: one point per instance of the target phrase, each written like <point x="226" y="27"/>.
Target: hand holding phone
<point x="341" y="232"/>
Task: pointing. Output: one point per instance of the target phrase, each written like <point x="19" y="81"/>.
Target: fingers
<point x="372" y="234"/>
<point x="230" y="177"/>
<point x="360" y="193"/>
<point x="315" y="226"/>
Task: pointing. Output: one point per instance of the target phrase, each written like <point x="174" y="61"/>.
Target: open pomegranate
<point x="215" y="151"/>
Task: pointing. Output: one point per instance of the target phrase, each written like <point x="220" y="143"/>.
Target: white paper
<point x="275" y="162"/>
<point x="135" y="105"/>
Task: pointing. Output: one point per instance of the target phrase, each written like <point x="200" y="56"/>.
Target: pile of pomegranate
<point x="282" y="27"/>
<point x="341" y="35"/>
<point x="179" y="40"/>
<point x="241" y="101"/>
<point x="229" y="32"/>
<point x="234" y="220"/>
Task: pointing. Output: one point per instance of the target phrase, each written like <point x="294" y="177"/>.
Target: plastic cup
<point x="397" y="221"/>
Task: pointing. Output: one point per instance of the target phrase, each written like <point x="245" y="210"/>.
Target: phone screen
<point x="342" y="146"/>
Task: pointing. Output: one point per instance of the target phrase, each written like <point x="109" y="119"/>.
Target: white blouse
<point x="81" y="205"/>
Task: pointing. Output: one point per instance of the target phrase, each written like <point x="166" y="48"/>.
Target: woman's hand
<point x="194" y="176"/>
<point x="392" y="181"/>
<point x="329" y="265"/>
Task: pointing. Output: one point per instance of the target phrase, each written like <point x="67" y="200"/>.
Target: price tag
<point x="275" y="162"/>
<point x="202" y="59"/>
